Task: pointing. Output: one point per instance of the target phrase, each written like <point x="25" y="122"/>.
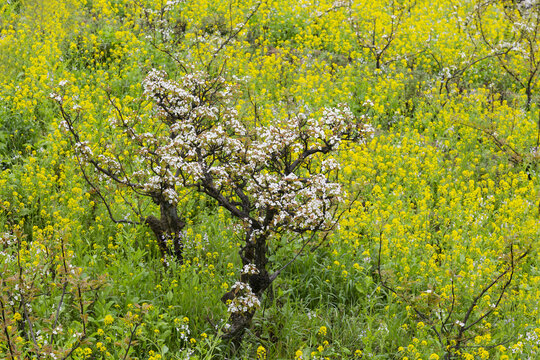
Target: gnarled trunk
<point x="168" y="228"/>
<point x="253" y="253"/>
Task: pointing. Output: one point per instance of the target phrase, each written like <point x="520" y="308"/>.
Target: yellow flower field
<point x="269" y="179"/>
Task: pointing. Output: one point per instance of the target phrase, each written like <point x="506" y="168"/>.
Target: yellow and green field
<point x="430" y="251"/>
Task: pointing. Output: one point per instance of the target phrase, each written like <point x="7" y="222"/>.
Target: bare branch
<point x="131" y="339"/>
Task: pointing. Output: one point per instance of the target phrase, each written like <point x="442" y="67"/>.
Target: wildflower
<point x="17" y="317"/>
<point x="322" y="331"/>
<point x="261" y="352"/>
<point x="433" y="357"/>
<point x="108" y="319"/>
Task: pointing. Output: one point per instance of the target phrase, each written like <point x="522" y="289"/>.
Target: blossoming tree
<point x="274" y="179"/>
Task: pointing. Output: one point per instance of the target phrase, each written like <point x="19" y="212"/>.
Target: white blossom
<point x="250" y="269"/>
<point x="244" y="301"/>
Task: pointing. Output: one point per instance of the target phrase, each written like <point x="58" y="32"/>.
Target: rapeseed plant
<point x="441" y="201"/>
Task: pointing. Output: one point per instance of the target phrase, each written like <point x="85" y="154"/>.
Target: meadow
<point x="245" y="179"/>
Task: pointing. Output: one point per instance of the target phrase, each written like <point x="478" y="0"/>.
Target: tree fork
<point x="169" y="226"/>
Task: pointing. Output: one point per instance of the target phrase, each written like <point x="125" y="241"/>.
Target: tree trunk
<point x="255" y="253"/>
<point x="168" y="227"/>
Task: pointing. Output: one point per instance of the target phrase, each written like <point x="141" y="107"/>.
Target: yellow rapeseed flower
<point x="109" y="319"/>
<point x="261" y="352"/>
